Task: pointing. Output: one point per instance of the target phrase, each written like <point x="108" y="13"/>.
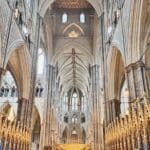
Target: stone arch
<point x="8" y="111"/>
<point x="147" y="60"/>
<point x="115" y="65"/>
<point x="45" y="4"/>
<point x="147" y="50"/>
<point x="72" y="27"/>
<point x="139" y="26"/>
<point x="12" y="47"/>
<point x="65" y="135"/>
<point x="18" y="61"/>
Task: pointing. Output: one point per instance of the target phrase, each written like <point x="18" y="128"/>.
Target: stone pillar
<point x="22" y="110"/>
<point x="1" y="73"/>
<point x="136" y="80"/>
<point x="97" y="126"/>
<point x="114" y="109"/>
<point x="33" y="70"/>
<point x="47" y="128"/>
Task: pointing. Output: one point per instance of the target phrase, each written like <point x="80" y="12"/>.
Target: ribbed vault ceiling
<point x="73" y="67"/>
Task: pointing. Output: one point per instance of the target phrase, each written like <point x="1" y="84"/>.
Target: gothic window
<point x="74" y="119"/>
<point x="40" y="63"/>
<point x="82" y="18"/>
<point x="74" y="102"/>
<point x="64" y="18"/>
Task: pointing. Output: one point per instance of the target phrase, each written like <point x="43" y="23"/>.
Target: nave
<point x="74" y="75"/>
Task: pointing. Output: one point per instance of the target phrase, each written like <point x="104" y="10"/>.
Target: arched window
<point x="74" y="119"/>
<point x="40" y="63"/>
<point x="82" y="18"/>
<point x="74" y="102"/>
<point x="64" y="18"/>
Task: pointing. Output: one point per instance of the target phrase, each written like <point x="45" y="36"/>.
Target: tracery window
<point x="74" y="102"/>
<point x="82" y="18"/>
<point x="64" y="18"/>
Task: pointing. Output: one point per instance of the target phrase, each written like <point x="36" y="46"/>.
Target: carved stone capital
<point x="134" y="66"/>
<point x="116" y="101"/>
<point x="23" y="100"/>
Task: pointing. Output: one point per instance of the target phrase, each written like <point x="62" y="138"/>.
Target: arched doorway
<point x="65" y="135"/>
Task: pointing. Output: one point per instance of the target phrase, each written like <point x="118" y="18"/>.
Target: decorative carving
<point x="13" y="135"/>
<point x="124" y="131"/>
<point x="71" y="4"/>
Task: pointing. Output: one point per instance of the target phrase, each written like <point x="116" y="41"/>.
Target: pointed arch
<point x="72" y="26"/>
<point x="45" y="4"/>
<point x="115" y="66"/>
<point x="18" y="61"/>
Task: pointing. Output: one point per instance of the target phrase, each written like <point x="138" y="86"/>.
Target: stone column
<point x="114" y="107"/>
<point x="33" y="70"/>
<point x="97" y="126"/>
<point x="136" y="80"/>
<point x="1" y="73"/>
<point x="50" y="77"/>
<point x="22" y="110"/>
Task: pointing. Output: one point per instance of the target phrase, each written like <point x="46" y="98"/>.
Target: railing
<point x="13" y="136"/>
<point x="131" y="131"/>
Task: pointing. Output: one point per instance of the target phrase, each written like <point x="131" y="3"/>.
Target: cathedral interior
<point x="74" y="74"/>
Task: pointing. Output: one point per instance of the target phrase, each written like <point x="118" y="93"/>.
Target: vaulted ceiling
<point x="73" y="72"/>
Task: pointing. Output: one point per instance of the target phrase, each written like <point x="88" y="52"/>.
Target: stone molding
<point x="134" y="66"/>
